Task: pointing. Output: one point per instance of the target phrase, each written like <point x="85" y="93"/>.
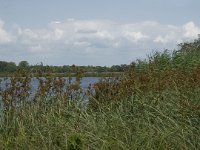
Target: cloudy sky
<point x="93" y="32"/>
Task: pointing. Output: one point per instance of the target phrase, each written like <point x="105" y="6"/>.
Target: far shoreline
<point x="86" y="74"/>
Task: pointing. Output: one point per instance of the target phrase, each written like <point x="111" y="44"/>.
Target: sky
<point x="93" y="32"/>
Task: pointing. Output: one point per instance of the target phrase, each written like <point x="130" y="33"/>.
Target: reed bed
<point x="155" y="104"/>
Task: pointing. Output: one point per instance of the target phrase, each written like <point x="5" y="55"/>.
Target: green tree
<point x="2" y="66"/>
<point x="11" y="67"/>
<point x="23" y="65"/>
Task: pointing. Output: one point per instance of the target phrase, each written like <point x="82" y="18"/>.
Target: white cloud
<point x="55" y="22"/>
<point x="191" y="30"/>
<point x="4" y="36"/>
<point x="81" y="44"/>
<point x="135" y="36"/>
<point x="36" y="48"/>
<point x="104" y="35"/>
<point x="169" y="38"/>
<point x="93" y="38"/>
<point x="58" y="34"/>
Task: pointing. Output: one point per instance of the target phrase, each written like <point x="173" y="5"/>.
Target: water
<point x="85" y="82"/>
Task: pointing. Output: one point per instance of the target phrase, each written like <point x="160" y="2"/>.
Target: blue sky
<point x="93" y="32"/>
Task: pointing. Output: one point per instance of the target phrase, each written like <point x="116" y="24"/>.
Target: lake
<point x="85" y="82"/>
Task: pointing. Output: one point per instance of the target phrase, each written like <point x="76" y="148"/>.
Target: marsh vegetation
<point x="154" y="104"/>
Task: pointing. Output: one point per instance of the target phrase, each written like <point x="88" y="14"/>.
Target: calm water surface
<point x="85" y="82"/>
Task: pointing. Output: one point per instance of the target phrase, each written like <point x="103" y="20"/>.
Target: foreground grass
<point x="147" y="122"/>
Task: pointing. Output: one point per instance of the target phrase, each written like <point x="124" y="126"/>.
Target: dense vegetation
<point x="155" y="104"/>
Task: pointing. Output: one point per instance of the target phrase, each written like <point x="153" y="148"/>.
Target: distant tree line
<point x="11" y="67"/>
<point x="7" y="66"/>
